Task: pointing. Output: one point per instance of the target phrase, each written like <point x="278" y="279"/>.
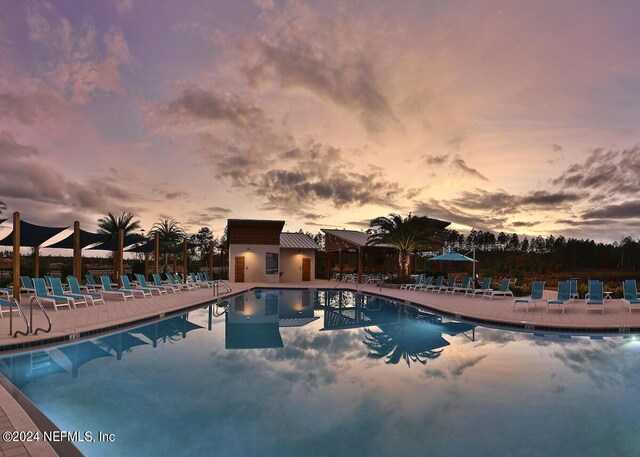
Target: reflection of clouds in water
<point x="602" y="361"/>
<point x="459" y="368"/>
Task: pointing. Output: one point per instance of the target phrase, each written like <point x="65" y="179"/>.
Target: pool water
<point x="313" y="373"/>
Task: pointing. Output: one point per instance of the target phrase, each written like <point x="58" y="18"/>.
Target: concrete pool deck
<point x="88" y="321"/>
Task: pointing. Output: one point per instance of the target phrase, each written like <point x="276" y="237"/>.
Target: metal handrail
<point x="46" y="315"/>
<point x="216" y="287"/>
<point x="343" y="279"/>
<point x="369" y="280"/>
<point x="21" y="313"/>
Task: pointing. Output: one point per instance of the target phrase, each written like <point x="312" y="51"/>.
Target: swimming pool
<point x="296" y="372"/>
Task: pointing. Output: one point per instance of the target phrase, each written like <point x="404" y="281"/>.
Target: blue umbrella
<point x="453" y="256"/>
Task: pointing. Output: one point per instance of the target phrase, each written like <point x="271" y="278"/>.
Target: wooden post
<point x="359" y="265"/>
<point x="156" y="255"/>
<point x="175" y="263"/>
<point x="211" y="261"/>
<point x="77" y="251"/>
<point x="146" y="265"/>
<point x="36" y="261"/>
<point x="120" y="256"/>
<point x="340" y="263"/>
<point x="185" y="259"/>
<point x="16" y="264"/>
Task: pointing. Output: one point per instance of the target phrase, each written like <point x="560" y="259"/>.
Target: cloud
<point x="348" y="76"/>
<point x="218" y="209"/>
<point x="462" y="165"/>
<point x="201" y="106"/>
<point x="430" y="159"/>
<point x="26" y="182"/>
<point x="459" y="368"/>
<point x="28" y="105"/>
<point x="78" y="65"/>
<point x="124" y="6"/>
<point x="626" y="210"/>
<point x="175" y="195"/>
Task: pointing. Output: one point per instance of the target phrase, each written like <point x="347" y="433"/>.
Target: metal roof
<point x="297" y="240"/>
<point x="354" y="237"/>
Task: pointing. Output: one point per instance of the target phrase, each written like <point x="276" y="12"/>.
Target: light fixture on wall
<point x="299" y="251"/>
<point x="248" y="249"/>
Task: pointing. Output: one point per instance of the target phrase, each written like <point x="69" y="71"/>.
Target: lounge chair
<point x="196" y="280"/>
<point x="91" y="283"/>
<point x="416" y="283"/>
<point x="486" y="285"/>
<point x="157" y="280"/>
<point x="436" y="285"/>
<point x="564" y="296"/>
<point x="57" y="289"/>
<point x="537" y="291"/>
<point x="502" y="292"/>
<point x="464" y="287"/>
<point x="596" y="296"/>
<point x="630" y="294"/>
<point x="448" y="287"/>
<point x="181" y="285"/>
<point x="5" y="293"/>
<point x="573" y="291"/>
<point x="427" y="282"/>
<point x="107" y="289"/>
<point x="203" y="278"/>
<point x="43" y="295"/>
<point x="5" y="306"/>
<point x="126" y="285"/>
<point x="76" y="288"/>
<point x="143" y="283"/>
<point x="27" y="285"/>
<point x="185" y="280"/>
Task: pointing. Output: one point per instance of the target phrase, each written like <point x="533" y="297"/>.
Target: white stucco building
<point x="260" y="252"/>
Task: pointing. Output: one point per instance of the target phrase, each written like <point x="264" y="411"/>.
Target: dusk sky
<point x="522" y="117"/>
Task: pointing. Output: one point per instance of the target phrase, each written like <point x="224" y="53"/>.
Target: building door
<point x="306" y="269"/>
<point x="239" y="269"/>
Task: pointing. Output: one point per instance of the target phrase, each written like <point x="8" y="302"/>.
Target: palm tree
<point x="111" y="225"/>
<point x="407" y="234"/>
<point x="169" y="232"/>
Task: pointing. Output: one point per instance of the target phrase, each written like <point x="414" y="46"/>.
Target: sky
<point x="498" y="115"/>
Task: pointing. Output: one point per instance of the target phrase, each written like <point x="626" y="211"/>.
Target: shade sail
<point x="452" y="257"/>
<point x="112" y="244"/>
<point x="32" y="235"/>
<point x="149" y="246"/>
<point x="86" y="239"/>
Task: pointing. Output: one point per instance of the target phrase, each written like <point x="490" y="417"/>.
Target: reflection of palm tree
<point x="409" y="340"/>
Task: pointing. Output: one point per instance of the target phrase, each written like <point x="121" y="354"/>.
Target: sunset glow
<point x="522" y="117"/>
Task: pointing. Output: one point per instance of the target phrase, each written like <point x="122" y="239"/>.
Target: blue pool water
<point x="299" y="373"/>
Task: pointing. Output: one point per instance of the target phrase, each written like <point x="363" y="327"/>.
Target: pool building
<point x="259" y="251"/>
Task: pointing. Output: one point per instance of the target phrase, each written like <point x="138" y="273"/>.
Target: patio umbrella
<point x="453" y="256"/>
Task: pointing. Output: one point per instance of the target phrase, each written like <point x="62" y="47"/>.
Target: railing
<point x="21" y="313"/>
<point x="368" y="280"/>
<point x="46" y="315"/>
<point x="220" y="284"/>
<point x="342" y="280"/>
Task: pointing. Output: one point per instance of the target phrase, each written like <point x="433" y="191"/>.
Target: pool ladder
<point x="220" y="284"/>
<point x="29" y="322"/>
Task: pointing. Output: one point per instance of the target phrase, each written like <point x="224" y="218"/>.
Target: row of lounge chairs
<point x="567" y="293"/>
<point x="438" y="285"/>
<point x="50" y="290"/>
